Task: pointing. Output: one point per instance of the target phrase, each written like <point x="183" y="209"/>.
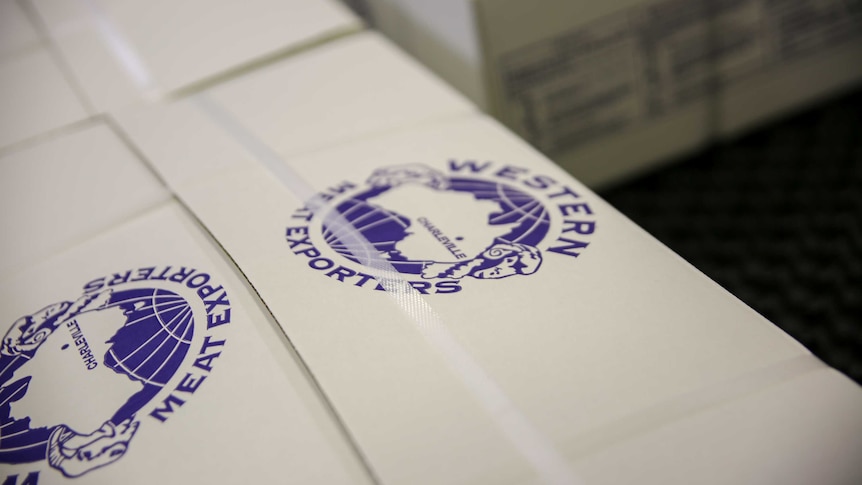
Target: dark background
<point x="775" y="217"/>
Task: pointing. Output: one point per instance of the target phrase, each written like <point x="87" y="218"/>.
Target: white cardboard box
<point x="35" y="99"/>
<point x="353" y="88"/>
<point x="58" y="193"/>
<point x="35" y="96"/>
<point x="587" y="353"/>
<point x="609" y="89"/>
<point x="16" y="31"/>
<point x="138" y="354"/>
<point x="122" y="52"/>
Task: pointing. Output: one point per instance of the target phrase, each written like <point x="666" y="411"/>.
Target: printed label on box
<point x="477" y="221"/>
<point x="128" y="352"/>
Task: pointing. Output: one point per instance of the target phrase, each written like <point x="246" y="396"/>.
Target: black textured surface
<point x="776" y="218"/>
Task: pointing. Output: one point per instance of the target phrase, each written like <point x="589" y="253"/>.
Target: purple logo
<point x="478" y="221"/>
<point x="80" y="377"/>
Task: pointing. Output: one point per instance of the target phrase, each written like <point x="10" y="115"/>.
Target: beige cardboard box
<point x="137" y="353"/>
<point x="478" y="316"/>
<point x="349" y="89"/>
<point x="35" y="96"/>
<point x="121" y="52"/>
<point x="609" y="89"/>
<point x="60" y="192"/>
<point x="16" y="31"/>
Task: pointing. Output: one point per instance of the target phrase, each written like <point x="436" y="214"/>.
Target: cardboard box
<point x="137" y="353"/>
<point x="476" y="315"/>
<point x="16" y="31"/>
<point x="610" y="89"/>
<point x="58" y="193"/>
<point x="468" y="311"/>
<point x="36" y="97"/>
<point x="123" y="52"/>
<point x="353" y="88"/>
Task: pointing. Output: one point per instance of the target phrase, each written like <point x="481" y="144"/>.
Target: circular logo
<point x="79" y="377"/>
<point x="437" y="229"/>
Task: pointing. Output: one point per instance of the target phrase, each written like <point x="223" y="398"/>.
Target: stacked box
<point x="350" y="89"/>
<point x="36" y="98"/>
<point x="126" y="52"/>
<point x="133" y="351"/>
<point x="351" y="276"/>
<point x="63" y="62"/>
<point x="608" y="90"/>
<point x="476" y="315"/>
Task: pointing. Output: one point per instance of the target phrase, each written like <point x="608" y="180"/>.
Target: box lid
<point x="36" y="98"/>
<point x="155" y="364"/>
<point x="585" y="335"/>
<point x="357" y="87"/>
<point x="123" y="51"/>
<point x="67" y="189"/>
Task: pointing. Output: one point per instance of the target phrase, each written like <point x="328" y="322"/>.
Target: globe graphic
<point x="526" y="218"/>
<point x="151" y="341"/>
<point x="157" y="334"/>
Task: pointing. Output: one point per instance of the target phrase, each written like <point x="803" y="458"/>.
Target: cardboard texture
<point x="124" y="52"/>
<point x="139" y="355"/>
<point x="354" y="277"/>
<point x="66" y="189"/>
<point x="36" y="98"/>
<point x="16" y="31"/>
<point x="362" y="86"/>
<point x="611" y="89"/>
<point x="617" y="354"/>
